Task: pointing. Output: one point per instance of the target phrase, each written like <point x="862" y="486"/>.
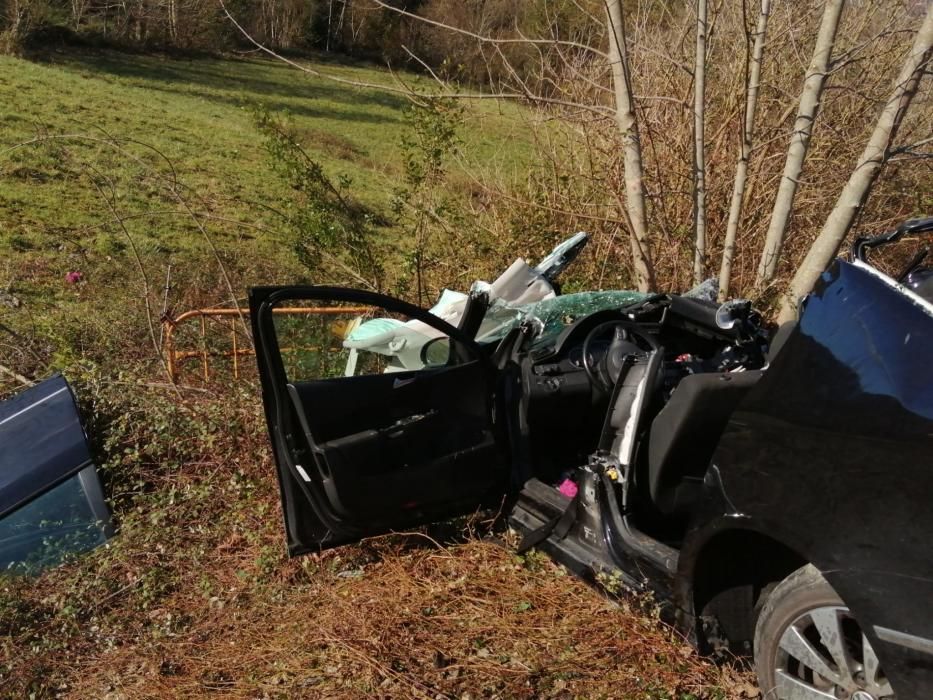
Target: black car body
<point x="771" y="489"/>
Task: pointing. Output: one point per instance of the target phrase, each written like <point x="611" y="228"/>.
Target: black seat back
<point x="686" y="431"/>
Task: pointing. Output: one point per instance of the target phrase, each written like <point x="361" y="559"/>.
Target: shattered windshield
<point x="551" y="316"/>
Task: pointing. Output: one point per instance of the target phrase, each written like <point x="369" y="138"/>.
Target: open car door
<point x="363" y="446"/>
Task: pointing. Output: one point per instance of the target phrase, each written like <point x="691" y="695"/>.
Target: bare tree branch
<point x="745" y="149"/>
<point x="406" y="90"/>
<point x="16" y="375"/>
<point x="800" y="141"/>
<point x="110" y="201"/>
<point x="869" y="165"/>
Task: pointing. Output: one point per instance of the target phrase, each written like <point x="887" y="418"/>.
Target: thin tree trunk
<point x="699" y="146"/>
<point x="741" y="168"/>
<point x="173" y="21"/>
<point x="139" y="31"/>
<point x="628" y="127"/>
<point x="16" y="18"/>
<point x="330" y="14"/>
<point x="77" y="9"/>
<point x="869" y="166"/>
<point x="800" y="141"/>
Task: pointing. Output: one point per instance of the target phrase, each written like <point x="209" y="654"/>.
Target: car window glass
<point x="323" y="340"/>
<point x="39" y="533"/>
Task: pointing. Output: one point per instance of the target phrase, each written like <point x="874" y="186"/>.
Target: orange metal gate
<point x="175" y="357"/>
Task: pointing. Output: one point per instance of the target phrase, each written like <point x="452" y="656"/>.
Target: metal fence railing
<point x="235" y="322"/>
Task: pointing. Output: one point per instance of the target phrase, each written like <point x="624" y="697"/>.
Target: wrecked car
<point x="51" y="500"/>
<point x="770" y="488"/>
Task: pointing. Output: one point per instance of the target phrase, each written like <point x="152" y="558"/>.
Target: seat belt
<point x="559" y="526"/>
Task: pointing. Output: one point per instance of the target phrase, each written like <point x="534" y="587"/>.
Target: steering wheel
<point x="626" y="339"/>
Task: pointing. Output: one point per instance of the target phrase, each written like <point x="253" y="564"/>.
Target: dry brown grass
<point x="420" y="621"/>
<point x="196" y="598"/>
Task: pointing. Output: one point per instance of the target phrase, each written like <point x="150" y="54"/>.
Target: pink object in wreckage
<point x="568" y="488"/>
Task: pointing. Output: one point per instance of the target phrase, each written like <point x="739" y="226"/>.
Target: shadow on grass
<point x="227" y="81"/>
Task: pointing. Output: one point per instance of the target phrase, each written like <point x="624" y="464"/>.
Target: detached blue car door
<point x="51" y="501"/>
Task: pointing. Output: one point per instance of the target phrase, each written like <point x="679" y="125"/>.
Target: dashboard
<point x="567" y="380"/>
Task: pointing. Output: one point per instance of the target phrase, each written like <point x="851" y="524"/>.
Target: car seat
<point x="685" y="433"/>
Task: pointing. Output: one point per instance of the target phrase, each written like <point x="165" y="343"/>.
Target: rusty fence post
<point x="168" y="347"/>
<point x="175" y="357"/>
<point x="204" y="348"/>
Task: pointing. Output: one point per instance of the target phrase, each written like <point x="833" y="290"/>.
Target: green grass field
<point x="191" y="119"/>
<point x="197" y="114"/>
<point x="104" y="152"/>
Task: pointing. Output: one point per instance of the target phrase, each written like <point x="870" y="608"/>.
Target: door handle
<point x="401" y="426"/>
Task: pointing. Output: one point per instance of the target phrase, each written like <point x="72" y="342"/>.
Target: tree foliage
<point x="327" y="225"/>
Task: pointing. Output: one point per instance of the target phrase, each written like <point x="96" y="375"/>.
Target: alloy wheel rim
<point x="824" y="655"/>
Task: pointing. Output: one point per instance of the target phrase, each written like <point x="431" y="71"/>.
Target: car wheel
<point x="808" y="645"/>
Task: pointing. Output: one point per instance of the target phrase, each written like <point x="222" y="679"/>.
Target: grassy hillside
<point x="150" y="162"/>
<point x="106" y="155"/>
<point x="196" y="114"/>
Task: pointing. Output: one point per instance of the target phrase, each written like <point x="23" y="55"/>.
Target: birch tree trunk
<point x="800" y="141"/>
<point x="699" y="146"/>
<point x="866" y="171"/>
<point x="77" y="12"/>
<point x="745" y="149"/>
<point x="330" y="14"/>
<point x="173" y="20"/>
<point x="628" y="127"/>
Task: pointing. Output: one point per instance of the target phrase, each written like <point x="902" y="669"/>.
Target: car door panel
<point x="404" y="448"/>
<point x="360" y="455"/>
<point x="342" y="406"/>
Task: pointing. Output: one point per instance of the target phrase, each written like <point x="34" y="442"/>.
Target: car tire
<point x="808" y="645"/>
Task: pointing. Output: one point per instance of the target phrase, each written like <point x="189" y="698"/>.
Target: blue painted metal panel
<point x="42" y="442"/>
